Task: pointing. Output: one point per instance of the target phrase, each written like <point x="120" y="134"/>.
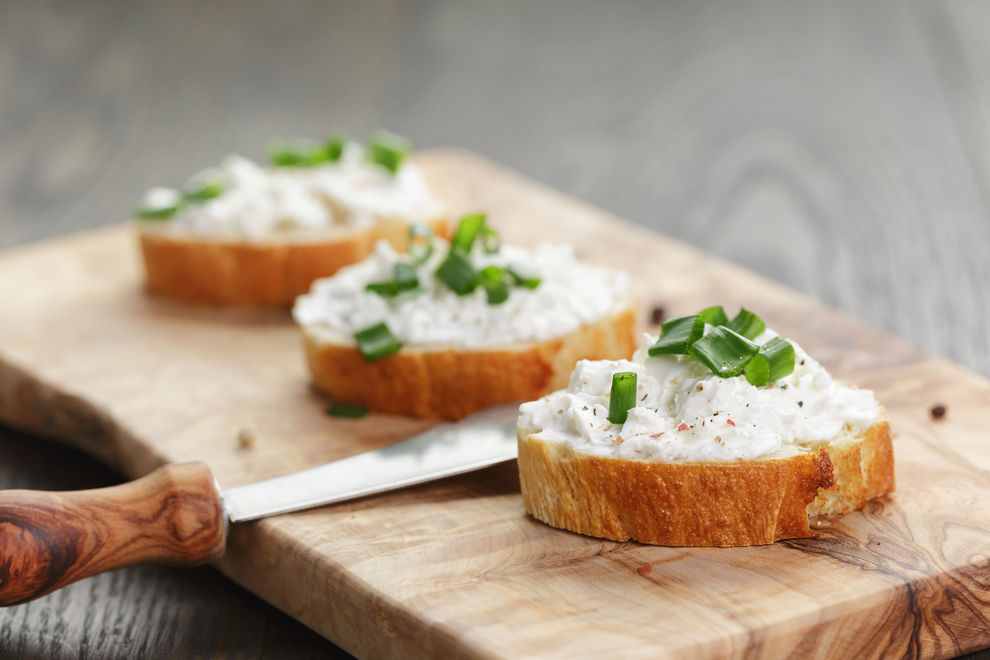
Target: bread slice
<point x="202" y="269"/>
<point x="446" y="382"/>
<point x="703" y="503"/>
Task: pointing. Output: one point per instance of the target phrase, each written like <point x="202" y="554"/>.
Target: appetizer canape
<point x="451" y="328"/>
<point x="718" y="433"/>
<point x="245" y="234"/>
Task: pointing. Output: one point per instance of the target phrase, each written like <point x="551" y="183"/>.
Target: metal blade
<point x="485" y="438"/>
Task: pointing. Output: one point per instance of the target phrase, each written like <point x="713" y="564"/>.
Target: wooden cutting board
<point x="456" y="568"/>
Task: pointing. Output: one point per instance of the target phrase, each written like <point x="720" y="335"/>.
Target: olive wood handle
<point x="48" y="539"/>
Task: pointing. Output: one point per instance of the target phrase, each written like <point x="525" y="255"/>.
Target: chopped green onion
<point x="467" y="230"/>
<point x="420" y="245"/>
<point x="677" y="335"/>
<point x="714" y="315"/>
<point x="405" y="279"/>
<point x="458" y="273"/>
<point x="623" y="396"/>
<point x="522" y="276"/>
<point x="329" y="152"/>
<point x="158" y="212"/>
<point x="723" y="351"/>
<point x="333" y="148"/>
<point x="160" y="204"/>
<point x="405" y="276"/>
<point x="493" y="279"/>
<point x="202" y="191"/>
<point x="491" y="240"/>
<point x="376" y="342"/>
<point x="385" y="289"/>
<point x="774" y="360"/>
<point x="286" y="153"/>
<point x="388" y="150"/>
<point x="289" y="154"/>
<point x="746" y="323"/>
<point x="346" y="410"/>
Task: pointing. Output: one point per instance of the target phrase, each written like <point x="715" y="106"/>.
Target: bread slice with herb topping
<point x="242" y="234"/>
<point x="663" y="449"/>
<point x="461" y="326"/>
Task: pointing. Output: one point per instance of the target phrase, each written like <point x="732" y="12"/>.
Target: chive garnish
<point x="467" y="230"/>
<point x="405" y="276"/>
<point x="346" y="410"/>
<point x="161" y="204"/>
<point x="158" y="212"/>
<point x="725" y="346"/>
<point x="493" y="279"/>
<point x="404" y="279"/>
<point x="677" y="335"/>
<point x="746" y="323"/>
<point x="388" y="150"/>
<point x="333" y="148"/>
<point x="285" y="153"/>
<point x="723" y="351"/>
<point x="774" y="360"/>
<point x="714" y="315"/>
<point x="376" y="342"/>
<point x="202" y="191"/>
<point x="491" y="240"/>
<point x="458" y="273"/>
<point x="523" y="277"/>
<point x="289" y="154"/>
<point x="623" y="396"/>
<point x="386" y="289"/>
<point x="420" y="244"/>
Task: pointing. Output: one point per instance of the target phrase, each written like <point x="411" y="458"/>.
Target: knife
<point x="179" y="515"/>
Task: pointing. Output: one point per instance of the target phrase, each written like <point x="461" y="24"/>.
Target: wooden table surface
<point x="841" y="148"/>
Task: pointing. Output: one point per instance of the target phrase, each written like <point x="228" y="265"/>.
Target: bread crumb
<point x="246" y="438"/>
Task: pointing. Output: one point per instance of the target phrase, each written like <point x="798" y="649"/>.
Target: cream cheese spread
<point x="570" y="295"/>
<point x="684" y="412"/>
<point x="260" y="202"/>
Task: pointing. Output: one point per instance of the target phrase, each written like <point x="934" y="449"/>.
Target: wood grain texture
<point x="51" y="539"/>
<point x="456" y="567"/>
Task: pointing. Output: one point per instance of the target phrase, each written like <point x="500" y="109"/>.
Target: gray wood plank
<point x="842" y="148"/>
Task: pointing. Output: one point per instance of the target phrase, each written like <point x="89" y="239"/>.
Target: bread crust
<point x="201" y="269"/>
<point x="863" y="469"/>
<point x="449" y="383"/>
<point x="700" y="503"/>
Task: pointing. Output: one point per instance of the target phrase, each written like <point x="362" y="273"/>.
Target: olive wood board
<point x="456" y="568"/>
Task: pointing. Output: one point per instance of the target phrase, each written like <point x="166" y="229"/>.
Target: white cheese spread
<point x="570" y="295"/>
<point x="260" y="202"/>
<point x="684" y="412"/>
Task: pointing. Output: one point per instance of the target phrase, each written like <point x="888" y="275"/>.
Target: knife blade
<point x="482" y="439"/>
<point x="179" y="515"/>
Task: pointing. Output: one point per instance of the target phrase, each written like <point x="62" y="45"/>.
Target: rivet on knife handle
<point x="49" y="539"/>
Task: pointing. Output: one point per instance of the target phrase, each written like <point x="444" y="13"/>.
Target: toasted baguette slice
<point x="703" y="503"/>
<point x="450" y="383"/>
<point x="201" y="269"/>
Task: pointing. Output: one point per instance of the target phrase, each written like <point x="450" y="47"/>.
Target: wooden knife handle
<point x="49" y="539"/>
